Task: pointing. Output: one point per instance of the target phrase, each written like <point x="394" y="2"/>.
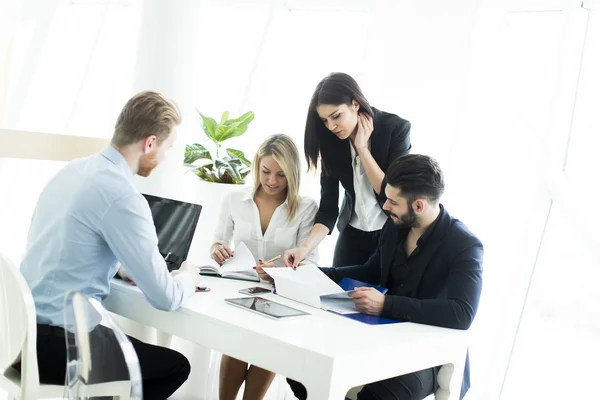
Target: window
<point x="71" y="68"/>
<point x="558" y="339"/>
<point x="558" y="342"/>
<point x="22" y="182"/>
<point x="583" y="161"/>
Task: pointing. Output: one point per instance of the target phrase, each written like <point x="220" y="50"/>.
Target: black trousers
<point x="163" y="370"/>
<point x="354" y="247"/>
<point x="413" y="386"/>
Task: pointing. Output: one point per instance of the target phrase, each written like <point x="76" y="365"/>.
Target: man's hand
<point x="220" y="253"/>
<point x="368" y="300"/>
<point x="191" y="270"/>
<point x="293" y="258"/>
<point x="261" y="272"/>
<point x="124" y="275"/>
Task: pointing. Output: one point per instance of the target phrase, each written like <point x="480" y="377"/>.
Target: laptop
<point x="175" y="223"/>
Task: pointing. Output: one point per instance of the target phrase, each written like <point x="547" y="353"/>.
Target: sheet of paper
<point x="308" y="274"/>
<point x="300" y="291"/>
<point x="306" y="284"/>
<point x="339" y="305"/>
<point x="241" y="261"/>
<point x="339" y="296"/>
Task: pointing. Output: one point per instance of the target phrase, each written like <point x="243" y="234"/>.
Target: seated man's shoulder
<point x="104" y="188"/>
<point x="460" y="234"/>
<point x="112" y="184"/>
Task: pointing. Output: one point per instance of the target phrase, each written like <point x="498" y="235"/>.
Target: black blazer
<point x="390" y="139"/>
<point x="448" y="291"/>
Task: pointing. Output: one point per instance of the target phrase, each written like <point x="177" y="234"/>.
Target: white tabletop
<point x="327" y="352"/>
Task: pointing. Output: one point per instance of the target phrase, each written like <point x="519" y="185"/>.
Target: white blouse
<point x="239" y="220"/>
<point x="367" y="214"/>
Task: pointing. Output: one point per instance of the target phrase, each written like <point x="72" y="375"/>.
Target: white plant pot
<point x="210" y="196"/>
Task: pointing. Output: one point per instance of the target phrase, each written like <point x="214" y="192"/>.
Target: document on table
<point x="309" y="285"/>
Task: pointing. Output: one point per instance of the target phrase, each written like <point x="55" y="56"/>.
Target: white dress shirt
<point x="367" y="214"/>
<point x="87" y="218"/>
<point x="240" y="221"/>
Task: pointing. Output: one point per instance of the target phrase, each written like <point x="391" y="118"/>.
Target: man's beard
<point x="147" y="164"/>
<point x="408" y="220"/>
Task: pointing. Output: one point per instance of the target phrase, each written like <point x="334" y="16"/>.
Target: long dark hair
<point x="335" y="89"/>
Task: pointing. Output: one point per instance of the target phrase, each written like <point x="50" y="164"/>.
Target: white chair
<point x="18" y="335"/>
<point x="100" y="357"/>
<point x="443" y="392"/>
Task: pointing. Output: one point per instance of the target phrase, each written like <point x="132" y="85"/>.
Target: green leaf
<point x="224" y="117"/>
<point x="206" y="174"/>
<point x="245" y="118"/>
<point x="227" y="178"/>
<point x="223" y="170"/>
<point x="233" y="153"/>
<point x="231" y="170"/>
<point x="209" y="125"/>
<point x="233" y="161"/>
<point x="244" y="171"/>
<point x="233" y="127"/>
<point x="224" y="132"/>
<point x="195" y="152"/>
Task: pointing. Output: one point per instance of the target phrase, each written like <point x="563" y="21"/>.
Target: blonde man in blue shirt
<point x="89" y="218"/>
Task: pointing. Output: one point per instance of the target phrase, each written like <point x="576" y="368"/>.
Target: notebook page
<point x="242" y="260"/>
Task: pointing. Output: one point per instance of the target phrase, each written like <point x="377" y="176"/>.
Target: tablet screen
<point x="266" y="307"/>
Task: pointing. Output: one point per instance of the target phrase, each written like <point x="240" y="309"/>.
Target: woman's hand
<point x="293" y="257"/>
<point x="363" y="132"/>
<point x="261" y="272"/>
<point x="220" y="253"/>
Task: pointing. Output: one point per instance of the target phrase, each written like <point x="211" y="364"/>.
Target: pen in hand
<point x="272" y="259"/>
<point x="261" y="262"/>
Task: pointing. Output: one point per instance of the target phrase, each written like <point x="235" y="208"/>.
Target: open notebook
<point x="240" y="266"/>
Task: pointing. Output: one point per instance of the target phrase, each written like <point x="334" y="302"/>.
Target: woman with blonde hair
<point x="269" y="218"/>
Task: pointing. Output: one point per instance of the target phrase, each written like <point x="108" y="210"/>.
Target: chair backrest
<point x="18" y="330"/>
<point x="98" y="351"/>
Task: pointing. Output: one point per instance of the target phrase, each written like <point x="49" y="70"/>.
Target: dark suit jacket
<point x="448" y="291"/>
<point x="390" y="139"/>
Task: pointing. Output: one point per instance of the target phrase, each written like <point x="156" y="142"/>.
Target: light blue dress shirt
<point x="88" y="218"/>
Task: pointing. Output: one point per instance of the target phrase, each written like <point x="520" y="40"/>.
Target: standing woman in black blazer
<point x="354" y="143"/>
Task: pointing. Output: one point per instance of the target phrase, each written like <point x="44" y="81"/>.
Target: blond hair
<point x="285" y="153"/>
<point x="146" y="114"/>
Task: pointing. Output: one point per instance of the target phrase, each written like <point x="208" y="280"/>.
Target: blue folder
<point x="350" y="284"/>
<point x="369" y="319"/>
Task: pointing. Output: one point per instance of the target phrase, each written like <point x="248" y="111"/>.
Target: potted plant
<point x="225" y="165"/>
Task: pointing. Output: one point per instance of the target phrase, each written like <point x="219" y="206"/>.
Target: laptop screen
<point x="175" y="223"/>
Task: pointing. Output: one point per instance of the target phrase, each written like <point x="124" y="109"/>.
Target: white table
<point x="328" y="353"/>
